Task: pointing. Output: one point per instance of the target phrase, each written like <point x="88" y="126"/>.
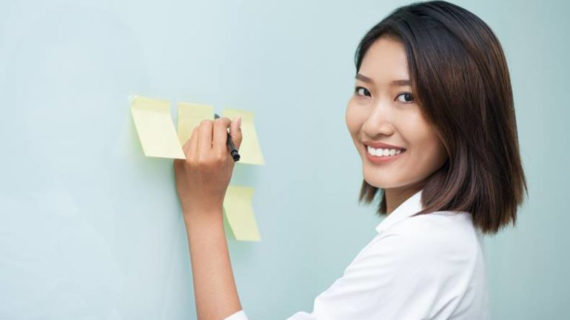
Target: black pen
<point x="233" y="150"/>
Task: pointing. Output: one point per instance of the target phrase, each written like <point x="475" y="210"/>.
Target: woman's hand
<point x="202" y="179"/>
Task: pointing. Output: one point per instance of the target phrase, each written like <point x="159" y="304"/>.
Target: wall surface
<point x="91" y="229"/>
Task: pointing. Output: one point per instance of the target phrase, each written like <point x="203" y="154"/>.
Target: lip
<point x="377" y="145"/>
<point x="380" y="160"/>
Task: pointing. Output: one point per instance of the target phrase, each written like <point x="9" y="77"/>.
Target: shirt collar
<point x="406" y="209"/>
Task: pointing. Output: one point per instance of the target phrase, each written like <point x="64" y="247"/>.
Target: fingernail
<point x="238" y="120"/>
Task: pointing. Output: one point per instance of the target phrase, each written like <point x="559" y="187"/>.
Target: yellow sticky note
<point x="250" y="150"/>
<point x="239" y="213"/>
<point x="155" y="128"/>
<point x="189" y="116"/>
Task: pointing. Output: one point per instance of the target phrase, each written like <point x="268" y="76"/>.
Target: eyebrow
<point x="402" y="82"/>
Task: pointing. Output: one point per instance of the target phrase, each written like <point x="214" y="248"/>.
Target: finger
<point x="221" y="135"/>
<point x="235" y="132"/>
<point x="193" y="145"/>
<point x="205" y="137"/>
<point x="186" y="145"/>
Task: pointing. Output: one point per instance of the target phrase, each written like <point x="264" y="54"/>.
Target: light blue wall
<point x="91" y="229"/>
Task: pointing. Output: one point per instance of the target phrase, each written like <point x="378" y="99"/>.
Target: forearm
<point x="214" y="286"/>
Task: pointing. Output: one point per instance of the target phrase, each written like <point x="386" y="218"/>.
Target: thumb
<point x="235" y="132"/>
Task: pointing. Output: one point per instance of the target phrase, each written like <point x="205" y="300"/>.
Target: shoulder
<point x="422" y="264"/>
<point x="446" y="228"/>
<point x="431" y="238"/>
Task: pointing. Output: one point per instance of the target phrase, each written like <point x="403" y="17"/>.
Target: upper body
<point x="428" y="266"/>
<point x="432" y="119"/>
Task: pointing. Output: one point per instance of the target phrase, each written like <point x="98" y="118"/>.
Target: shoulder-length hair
<point x="459" y="74"/>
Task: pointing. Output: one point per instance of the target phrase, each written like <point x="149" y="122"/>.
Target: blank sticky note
<point x="250" y="150"/>
<point x="155" y="128"/>
<point x="189" y="116"/>
<point x="239" y="213"/>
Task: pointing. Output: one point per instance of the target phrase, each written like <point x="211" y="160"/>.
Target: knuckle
<point x="192" y="160"/>
<point x="220" y="157"/>
<point x="202" y="161"/>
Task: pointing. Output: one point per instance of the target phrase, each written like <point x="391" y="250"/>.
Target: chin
<point x="385" y="182"/>
<point x="380" y="183"/>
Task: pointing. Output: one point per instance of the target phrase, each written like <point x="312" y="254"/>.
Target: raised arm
<point x="202" y="180"/>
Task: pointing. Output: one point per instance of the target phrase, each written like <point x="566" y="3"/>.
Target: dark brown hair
<point x="459" y="74"/>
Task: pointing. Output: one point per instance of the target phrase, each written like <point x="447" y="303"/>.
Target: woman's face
<point x="383" y="111"/>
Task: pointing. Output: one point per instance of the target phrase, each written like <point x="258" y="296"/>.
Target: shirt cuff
<point x="240" y="315"/>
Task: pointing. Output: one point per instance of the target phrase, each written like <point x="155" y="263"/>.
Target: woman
<point x="432" y="118"/>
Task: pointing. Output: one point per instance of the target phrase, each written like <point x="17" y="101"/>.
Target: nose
<point x="379" y="122"/>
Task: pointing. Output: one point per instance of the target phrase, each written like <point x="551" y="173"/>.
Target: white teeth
<point x="383" y="152"/>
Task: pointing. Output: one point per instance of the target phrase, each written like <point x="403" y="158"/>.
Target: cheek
<point x="433" y="153"/>
<point x="354" y="118"/>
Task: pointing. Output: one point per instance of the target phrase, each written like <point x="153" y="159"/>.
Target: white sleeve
<point x="240" y="315"/>
<point x="393" y="277"/>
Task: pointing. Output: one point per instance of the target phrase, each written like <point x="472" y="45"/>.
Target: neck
<point x="395" y="197"/>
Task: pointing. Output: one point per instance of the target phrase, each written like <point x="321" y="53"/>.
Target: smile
<point x="382" y="155"/>
<point x="383" y="152"/>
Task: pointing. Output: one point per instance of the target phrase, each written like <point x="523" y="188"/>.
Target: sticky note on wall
<point x="155" y="128"/>
<point x="250" y="150"/>
<point x="239" y="213"/>
<point x="189" y="116"/>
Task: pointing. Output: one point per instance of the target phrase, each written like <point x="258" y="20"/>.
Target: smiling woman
<point x="433" y="121"/>
<point x="398" y="146"/>
<point x="457" y="122"/>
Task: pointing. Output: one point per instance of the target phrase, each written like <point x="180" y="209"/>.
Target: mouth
<point x="381" y="155"/>
<point x="383" y="152"/>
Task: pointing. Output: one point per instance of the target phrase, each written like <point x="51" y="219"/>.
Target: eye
<point x="359" y="90"/>
<point x="407" y="96"/>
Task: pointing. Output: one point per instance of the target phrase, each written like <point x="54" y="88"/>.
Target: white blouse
<point x="428" y="266"/>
